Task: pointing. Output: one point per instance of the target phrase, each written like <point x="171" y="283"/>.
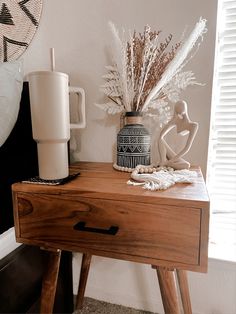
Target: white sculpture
<point x="180" y="120"/>
<point x="172" y="167"/>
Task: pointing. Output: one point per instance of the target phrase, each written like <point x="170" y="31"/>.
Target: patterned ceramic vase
<point x="133" y="142"/>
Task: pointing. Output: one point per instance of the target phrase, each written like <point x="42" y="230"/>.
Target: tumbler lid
<point x="47" y="73"/>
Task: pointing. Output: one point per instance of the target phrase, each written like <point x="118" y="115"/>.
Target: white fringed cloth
<point x="161" y="179"/>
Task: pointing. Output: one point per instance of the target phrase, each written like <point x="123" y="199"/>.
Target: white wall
<point x="78" y="31"/>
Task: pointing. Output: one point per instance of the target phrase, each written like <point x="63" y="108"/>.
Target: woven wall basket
<point x="19" y="20"/>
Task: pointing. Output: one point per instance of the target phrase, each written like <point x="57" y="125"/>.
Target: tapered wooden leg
<point x="184" y="290"/>
<point x="168" y="289"/>
<point x="64" y="301"/>
<point x="49" y="283"/>
<point x="86" y="260"/>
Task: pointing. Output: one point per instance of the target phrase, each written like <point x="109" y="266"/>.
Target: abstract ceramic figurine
<point x="180" y="120"/>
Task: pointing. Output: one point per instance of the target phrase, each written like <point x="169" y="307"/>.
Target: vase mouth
<point x="133" y="114"/>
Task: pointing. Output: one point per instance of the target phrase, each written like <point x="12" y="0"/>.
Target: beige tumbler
<point x="49" y="103"/>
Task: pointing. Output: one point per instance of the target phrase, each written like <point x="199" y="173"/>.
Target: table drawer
<point x="136" y="229"/>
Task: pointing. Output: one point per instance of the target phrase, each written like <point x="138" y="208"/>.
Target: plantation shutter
<point x="222" y="162"/>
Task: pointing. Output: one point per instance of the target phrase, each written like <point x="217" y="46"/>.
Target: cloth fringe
<point x="162" y="179"/>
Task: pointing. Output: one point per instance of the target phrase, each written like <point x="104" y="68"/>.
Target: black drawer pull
<point x="81" y="227"/>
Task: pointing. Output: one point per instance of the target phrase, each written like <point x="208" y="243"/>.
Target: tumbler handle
<point x="81" y="107"/>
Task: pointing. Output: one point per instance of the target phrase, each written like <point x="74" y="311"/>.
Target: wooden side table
<point x="98" y="214"/>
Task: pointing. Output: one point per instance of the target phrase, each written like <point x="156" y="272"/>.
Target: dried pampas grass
<point x="146" y="72"/>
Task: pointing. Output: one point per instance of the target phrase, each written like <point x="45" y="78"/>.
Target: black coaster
<point x="38" y="180"/>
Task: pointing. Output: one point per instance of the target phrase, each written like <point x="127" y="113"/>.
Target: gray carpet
<point x="92" y="306"/>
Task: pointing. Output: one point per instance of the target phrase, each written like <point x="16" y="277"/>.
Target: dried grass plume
<point x="146" y="73"/>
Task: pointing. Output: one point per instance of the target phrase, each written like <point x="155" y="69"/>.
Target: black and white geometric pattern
<point x="133" y="146"/>
<point x="19" y="20"/>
